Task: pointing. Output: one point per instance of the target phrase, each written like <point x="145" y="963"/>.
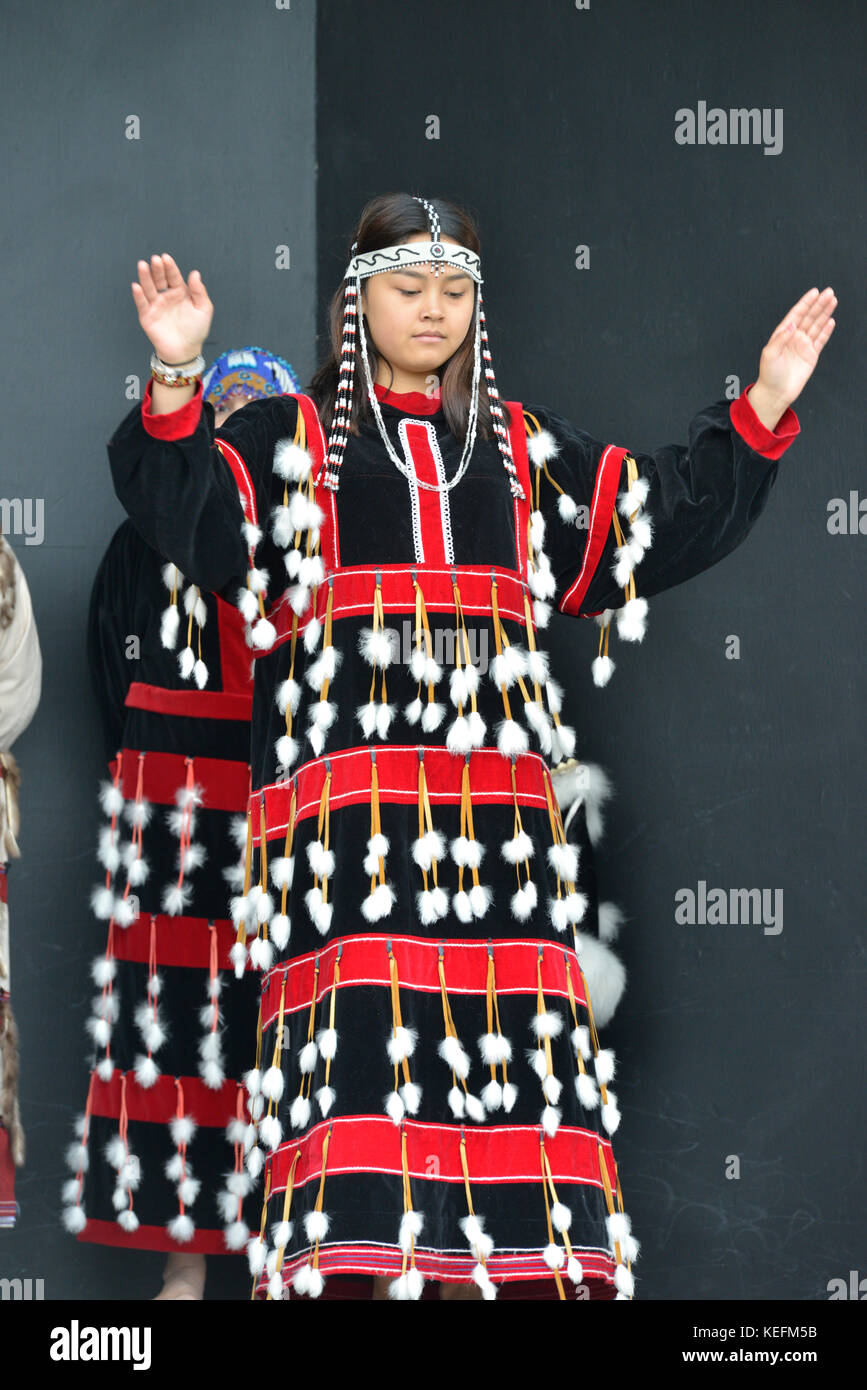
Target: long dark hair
<point x="386" y="221"/>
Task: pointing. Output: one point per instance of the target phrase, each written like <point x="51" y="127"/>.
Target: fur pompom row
<point x="559" y="743"/>
<point x="120" y="909"/>
<point x="548" y="1024"/>
<point x="541" y="448"/>
<point x="622" y="1243"/>
<point x="631" y="618"/>
<point x="178" y="1170"/>
<point x="108" y="905"/>
<point x="308" y="1279"/>
<point x="405" y="1096"/>
<point x="121" y="1158"/>
<point x="480" y="1243"/>
<point x="426" y="670"/>
<point x="176" y="896"/>
<point x="237" y="1184"/>
<point x="262" y="926"/>
<point x="266" y="927"/>
<point x="377" y="649"/>
<point x="118" y="1155"/>
<point x="512" y="665"/>
<point x="296" y="528"/>
<point x="190" y="665"/>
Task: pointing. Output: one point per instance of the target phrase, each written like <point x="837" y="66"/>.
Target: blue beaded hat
<point x="251" y="372"/>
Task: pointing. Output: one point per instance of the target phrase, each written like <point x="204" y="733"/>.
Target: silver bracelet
<point x="170" y="372"/>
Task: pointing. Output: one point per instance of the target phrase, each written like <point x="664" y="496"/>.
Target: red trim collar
<point x="413" y="402"/>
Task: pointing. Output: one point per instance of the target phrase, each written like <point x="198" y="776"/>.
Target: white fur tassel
<point x="632" y="620"/>
<point x="512" y="740"/>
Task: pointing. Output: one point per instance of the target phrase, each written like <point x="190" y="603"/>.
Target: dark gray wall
<point x="557" y="128"/>
<point x="222" y="174"/>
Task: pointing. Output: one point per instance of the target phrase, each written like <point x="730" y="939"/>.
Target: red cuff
<point x="770" y="443"/>
<point x="175" y="424"/>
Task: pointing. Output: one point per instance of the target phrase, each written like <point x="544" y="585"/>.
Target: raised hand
<point x="175" y="314"/>
<point x="792" y="351"/>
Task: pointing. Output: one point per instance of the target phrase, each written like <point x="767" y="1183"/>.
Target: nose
<point x="431" y="307"/>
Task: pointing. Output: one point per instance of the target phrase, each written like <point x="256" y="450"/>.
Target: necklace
<point x="472" y="418"/>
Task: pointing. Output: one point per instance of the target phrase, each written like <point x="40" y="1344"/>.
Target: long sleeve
<point x="700" y="501"/>
<point x="111" y="618"/>
<point x="179" y="490"/>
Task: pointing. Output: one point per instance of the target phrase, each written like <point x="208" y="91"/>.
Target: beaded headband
<point x="415" y="253"/>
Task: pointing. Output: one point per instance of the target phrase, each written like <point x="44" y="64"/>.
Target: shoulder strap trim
<point x="522" y="506"/>
<point x="243" y="481"/>
<point x="317" y="445"/>
<point x="601" y="511"/>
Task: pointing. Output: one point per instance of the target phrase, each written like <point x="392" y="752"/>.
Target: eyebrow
<point x="420" y="274"/>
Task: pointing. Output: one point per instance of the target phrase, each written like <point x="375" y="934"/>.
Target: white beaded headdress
<point x="385" y="258"/>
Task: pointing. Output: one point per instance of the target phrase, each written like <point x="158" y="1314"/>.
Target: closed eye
<point x="453" y="294"/>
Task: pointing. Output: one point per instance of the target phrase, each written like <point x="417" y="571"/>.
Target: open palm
<point x="175" y="313"/>
<point x="792" y="351"/>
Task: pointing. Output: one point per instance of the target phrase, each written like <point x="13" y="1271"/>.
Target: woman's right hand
<point x="175" y="314"/>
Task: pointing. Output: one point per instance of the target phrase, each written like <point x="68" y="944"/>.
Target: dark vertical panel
<point x="223" y="174"/>
<point x="557" y="129"/>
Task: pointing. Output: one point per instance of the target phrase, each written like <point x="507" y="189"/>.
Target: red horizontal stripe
<point x="224" y="784"/>
<point x="159" y="1103"/>
<point x="204" y="1241"/>
<point x="192" y="704"/>
<point x="355" y="585"/>
<point x="179" y="941"/>
<point x="397" y="770"/>
<point x="364" y="961"/>
<point x="494" y="1153"/>
<point x="597" y="1268"/>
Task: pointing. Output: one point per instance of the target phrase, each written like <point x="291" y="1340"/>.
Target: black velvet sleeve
<point x="703" y="499"/>
<point x="111" y="616"/>
<point x="181" y="493"/>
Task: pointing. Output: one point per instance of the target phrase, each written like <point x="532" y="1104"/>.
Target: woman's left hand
<point x="792" y="351"/>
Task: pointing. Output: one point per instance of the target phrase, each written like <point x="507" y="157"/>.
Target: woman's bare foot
<point x="183" y="1277"/>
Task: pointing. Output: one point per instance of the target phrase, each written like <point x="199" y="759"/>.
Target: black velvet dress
<point x="158" y="1161"/>
<point x="431" y="1100"/>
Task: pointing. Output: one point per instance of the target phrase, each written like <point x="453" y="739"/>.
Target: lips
<point x="438" y="336"/>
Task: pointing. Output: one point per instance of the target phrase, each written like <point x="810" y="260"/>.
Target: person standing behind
<point x="170" y="1024"/>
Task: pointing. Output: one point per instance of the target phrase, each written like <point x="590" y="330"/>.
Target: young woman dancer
<point x="431" y="1105"/>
